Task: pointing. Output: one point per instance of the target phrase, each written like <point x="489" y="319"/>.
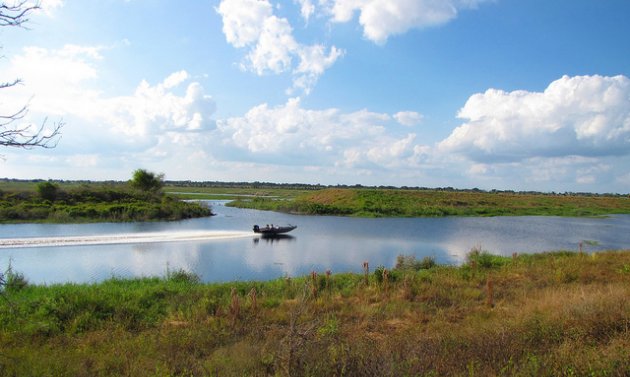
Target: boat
<point x="271" y="230"/>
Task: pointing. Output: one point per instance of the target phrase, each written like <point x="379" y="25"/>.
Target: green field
<point x="552" y="314"/>
<point x="366" y="202"/>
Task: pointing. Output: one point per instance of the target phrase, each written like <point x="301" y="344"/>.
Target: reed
<point x="314" y="284"/>
<point x="235" y="305"/>
<point x="253" y="299"/>
<point x="490" y="292"/>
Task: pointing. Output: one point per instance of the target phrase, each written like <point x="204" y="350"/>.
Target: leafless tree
<point x="13" y="133"/>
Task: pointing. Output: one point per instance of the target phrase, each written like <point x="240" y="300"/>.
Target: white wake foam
<point x="110" y="239"/>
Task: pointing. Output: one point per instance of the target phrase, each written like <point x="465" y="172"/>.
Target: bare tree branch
<point x="13" y="134"/>
<point x="16" y="14"/>
<point x="21" y="137"/>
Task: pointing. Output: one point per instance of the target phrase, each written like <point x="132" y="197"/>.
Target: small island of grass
<point x="141" y="199"/>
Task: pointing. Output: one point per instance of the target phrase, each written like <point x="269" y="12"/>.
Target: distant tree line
<point x="317" y="186"/>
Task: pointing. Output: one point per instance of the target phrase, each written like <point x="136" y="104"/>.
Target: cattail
<point x="366" y="272"/>
<point x="385" y="279"/>
<point x="580" y="246"/>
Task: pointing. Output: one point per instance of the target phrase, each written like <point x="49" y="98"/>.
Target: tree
<point x="147" y="181"/>
<point x="47" y="190"/>
<point x="12" y="133"/>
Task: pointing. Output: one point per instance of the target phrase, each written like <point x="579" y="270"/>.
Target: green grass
<point x="552" y="314"/>
<point x="437" y="203"/>
<point x="21" y="202"/>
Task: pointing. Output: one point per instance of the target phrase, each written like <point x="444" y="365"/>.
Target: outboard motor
<point x="256" y="229"/>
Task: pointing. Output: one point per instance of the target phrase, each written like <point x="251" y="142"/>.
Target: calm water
<point x="320" y="243"/>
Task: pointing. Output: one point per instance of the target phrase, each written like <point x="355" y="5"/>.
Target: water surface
<point x="223" y="248"/>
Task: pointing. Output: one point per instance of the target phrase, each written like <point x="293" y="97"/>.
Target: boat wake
<point x="129" y="238"/>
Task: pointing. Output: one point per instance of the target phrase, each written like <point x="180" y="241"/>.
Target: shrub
<point x="12" y="281"/>
<point x="409" y="262"/>
<point x="485" y="259"/>
<point x="47" y="190"/>
<point x="182" y="276"/>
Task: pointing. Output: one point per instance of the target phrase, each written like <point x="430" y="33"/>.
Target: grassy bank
<point x="52" y="202"/>
<point x="433" y="203"/>
<point x="532" y="315"/>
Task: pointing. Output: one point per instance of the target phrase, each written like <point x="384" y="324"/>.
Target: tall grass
<point x="437" y="203"/>
<point x="551" y="314"/>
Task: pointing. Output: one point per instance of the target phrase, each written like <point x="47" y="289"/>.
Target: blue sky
<point x="505" y="94"/>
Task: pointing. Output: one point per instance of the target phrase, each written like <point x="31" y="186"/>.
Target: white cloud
<point x="271" y="45"/>
<point x="175" y="78"/>
<point x="580" y="116"/>
<point x="381" y="19"/>
<point x="275" y="47"/>
<point x="408" y="118"/>
<point x="243" y="20"/>
<point x="307" y="8"/>
<point x="47" y="6"/>
<point x="61" y="83"/>
<point x="53" y="79"/>
<point x="153" y="110"/>
<point x="314" y="61"/>
<point x="289" y="134"/>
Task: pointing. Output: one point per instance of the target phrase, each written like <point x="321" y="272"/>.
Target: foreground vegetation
<point x="370" y="201"/>
<point x="432" y="203"/>
<point x="46" y="201"/>
<point x="530" y="315"/>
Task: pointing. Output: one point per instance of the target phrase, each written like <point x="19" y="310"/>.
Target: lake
<point x="223" y="247"/>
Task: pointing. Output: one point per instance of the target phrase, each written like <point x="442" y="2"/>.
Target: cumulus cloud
<point x="272" y="48"/>
<point x="153" y="110"/>
<point x="408" y="118"/>
<point x="60" y="83"/>
<point x="573" y="116"/>
<point x="293" y="135"/>
<point x="53" y="79"/>
<point x="382" y="18"/>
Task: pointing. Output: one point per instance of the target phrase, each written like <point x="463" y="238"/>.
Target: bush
<point x="47" y="190"/>
<point x="485" y="259"/>
<point x="409" y="262"/>
<point x="12" y="281"/>
<point x="182" y="276"/>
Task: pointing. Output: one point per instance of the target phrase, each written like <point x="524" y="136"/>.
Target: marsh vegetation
<point x="375" y="202"/>
<point x="47" y="201"/>
<point x="545" y="315"/>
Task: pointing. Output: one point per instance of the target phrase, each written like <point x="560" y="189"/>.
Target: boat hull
<point x="273" y="230"/>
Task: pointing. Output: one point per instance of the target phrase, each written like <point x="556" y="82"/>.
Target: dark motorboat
<point x="271" y="230"/>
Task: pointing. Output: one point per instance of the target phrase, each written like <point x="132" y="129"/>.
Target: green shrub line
<point x="548" y="314"/>
<point x="93" y="203"/>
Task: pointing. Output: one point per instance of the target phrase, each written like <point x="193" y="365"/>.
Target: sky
<point x="490" y="94"/>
